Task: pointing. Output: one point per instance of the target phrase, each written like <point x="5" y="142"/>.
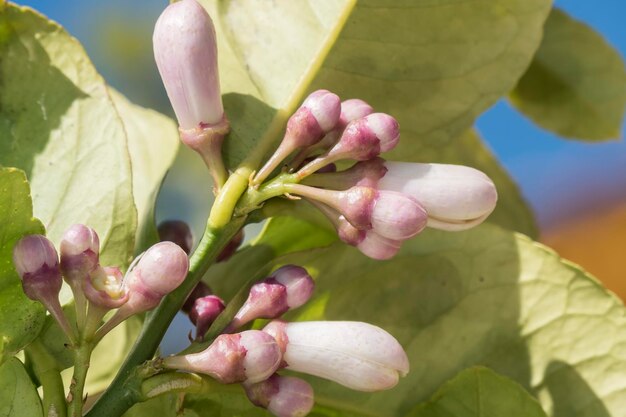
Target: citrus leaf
<point x="18" y="395"/>
<point x="575" y="84"/>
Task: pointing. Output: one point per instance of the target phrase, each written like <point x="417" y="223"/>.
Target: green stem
<point x="175" y="382"/>
<point x="49" y="375"/>
<point x="125" y="389"/>
<point x="82" y="355"/>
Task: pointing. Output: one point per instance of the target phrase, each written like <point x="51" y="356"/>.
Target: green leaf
<point x="18" y="395"/>
<point x="162" y="406"/>
<point x="434" y="65"/>
<point x="481" y="297"/>
<point x="152" y="143"/>
<point x="480" y="392"/>
<point x="22" y="319"/>
<point x="58" y="124"/>
<point x="575" y="85"/>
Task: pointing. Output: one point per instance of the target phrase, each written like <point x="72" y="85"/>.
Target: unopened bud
<point x="390" y="214"/>
<point x="318" y="115"/>
<point x="231" y="247"/>
<point x="185" y="51"/>
<point x="250" y="356"/>
<point x="361" y="140"/>
<point x="354" y="354"/>
<point x="161" y="269"/>
<point x="456" y="197"/>
<point x="287" y="288"/>
<point x="80" y="247"/>
<point x="178" y="232"/>
<point x="104" y="287"/>
<point x="283" y="396"/>
<point x="37" y="264"/>
<point x="199" y="291"/>
<point x="204" y="312"/>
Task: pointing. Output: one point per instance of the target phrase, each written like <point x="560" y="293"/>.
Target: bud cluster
<point x="96" y="289"/>
<point x="375" y="205"/>
<point x="357" y="355"/>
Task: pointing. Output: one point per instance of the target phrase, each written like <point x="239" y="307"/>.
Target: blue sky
<point x="559" y="177"/>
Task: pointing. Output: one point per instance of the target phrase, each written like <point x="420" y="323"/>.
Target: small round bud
<point x="199" y="291"/>
<point x="104" y="287"/>
<point x="354" y="109"/>
<point x="204" y="312"/>
<point x="318" y="115"/>
<point x="378" y="247"/>
<point x="362" y="139"/>
<point x="249" y="356"/>
<point x="185" y="51"/>
<point x="357" y="355"/>
<point x="397" y="216"/>
<point x="37" y="264"/>
<point x="456" y="197"/>
<point x="289" y="287"/>
<point x="178" y="232"/>
<point x="231" y="247"/>
<point x="161" y="269"/>
<point x="283" y="396"/>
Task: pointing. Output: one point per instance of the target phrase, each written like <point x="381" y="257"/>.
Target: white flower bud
<point x="354" y="354"/>
<point x="456" y="197"/>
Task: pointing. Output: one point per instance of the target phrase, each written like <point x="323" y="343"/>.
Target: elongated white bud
<point x="354" y="354"/>
<point x="185" y="51"/>
<point x="456" y="197"/>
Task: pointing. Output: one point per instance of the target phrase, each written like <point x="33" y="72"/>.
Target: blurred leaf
<point x="575" y="85"/>
<point x="18" y="395"/>
<point x="481" y="297"/>
<point x="21" y="319"/>
<point x="480" y="392"/>
<point x="434" y="65"/>
<point x="161" y="406"/>
<point x="152" y="144"/>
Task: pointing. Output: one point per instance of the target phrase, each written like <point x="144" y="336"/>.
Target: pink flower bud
<point x="354" y="354"/>
<point x="289" y="287"/>
<point x="37" y="264"/>
<point x="283" y="396"/>
<point x="185" y="51"/>
<point x="104" y="287"/>
<point x="378" y="247"/>
<point x="456" y="197"/>
<point x="231" y="247"/>
<point x="361" y="140"/>
<point x="178" y="232"/>
<point x="354" y="109"/>
<point x="318" y="115"/>
<point x="250" y="356"/>
<point x="161" y="269"/>
<point x="199" y="291"/>
<point x="390" y="214"/>
<point x="204" y="312"/>
<point x="397" y="216"/>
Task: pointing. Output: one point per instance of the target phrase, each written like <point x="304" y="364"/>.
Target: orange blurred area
<point x="597" y="242"/>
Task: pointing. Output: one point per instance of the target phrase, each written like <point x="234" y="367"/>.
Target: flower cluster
<point x="96" y="289"/>
<point x="357" y="355"/>
<point x="375" y="204"/>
